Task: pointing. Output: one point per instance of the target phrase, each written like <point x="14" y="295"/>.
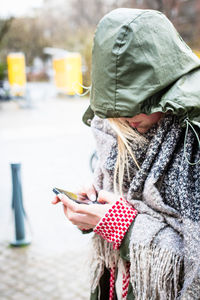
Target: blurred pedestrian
<point x="145" y="115"/>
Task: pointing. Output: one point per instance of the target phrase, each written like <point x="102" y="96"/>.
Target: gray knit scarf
<point x="165" y="238"/>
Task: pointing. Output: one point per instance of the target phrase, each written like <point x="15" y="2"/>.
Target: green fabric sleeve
<point x="124" y="248"/>
<point x="86" y="231"/>
<point x="94" y="296"/>
<point x="124" y="254"/>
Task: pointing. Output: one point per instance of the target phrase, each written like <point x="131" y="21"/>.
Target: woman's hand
<point x="88" y="192"/>
<point x="86" y="216"/>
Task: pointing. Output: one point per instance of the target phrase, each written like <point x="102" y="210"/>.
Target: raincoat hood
<point x="140" y="64"/>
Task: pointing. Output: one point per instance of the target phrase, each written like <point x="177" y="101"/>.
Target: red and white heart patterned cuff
<point x="115" y="223"/>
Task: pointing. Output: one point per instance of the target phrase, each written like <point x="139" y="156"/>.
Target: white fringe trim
<point x="102" y="256"/>
<point x="154" y="273"/>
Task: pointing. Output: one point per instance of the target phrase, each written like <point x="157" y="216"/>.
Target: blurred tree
<point x="25" y="35"/>
<point x="70" y="24"/>
<point x="4" y="27"/>
<point x="3" y="68"/>
<point x="87" y="13"/>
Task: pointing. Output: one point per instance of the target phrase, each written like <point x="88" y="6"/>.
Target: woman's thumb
<point x="106" y="197"/>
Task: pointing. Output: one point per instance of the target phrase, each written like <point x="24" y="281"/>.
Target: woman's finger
<point x="65" y="210"/>
<point x="92" y="193"/>
<point x="55" y="200"/>
<point x="69" y="203"/>
<point x="107" y="197"/>
<point x="88" y="191"/>
<point x="78" y="219"/>
<point x="82" y="213"/>
<point x="75" y="207"/>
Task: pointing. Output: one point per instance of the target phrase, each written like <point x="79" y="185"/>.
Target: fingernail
<point x="93" y="197"/>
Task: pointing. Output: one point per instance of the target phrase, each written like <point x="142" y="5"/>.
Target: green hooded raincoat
<point x="140" y="64"/>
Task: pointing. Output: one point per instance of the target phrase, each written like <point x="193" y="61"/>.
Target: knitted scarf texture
<point x="165" y="238"/>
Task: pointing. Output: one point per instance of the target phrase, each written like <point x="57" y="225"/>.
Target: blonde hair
<point x="126" y="135"/>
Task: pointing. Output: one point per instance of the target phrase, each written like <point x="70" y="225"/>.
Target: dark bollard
<point x="18" y="209"/>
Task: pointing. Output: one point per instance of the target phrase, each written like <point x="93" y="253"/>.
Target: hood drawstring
<point x="87" y="88"/>
<point x="186" y="133"/>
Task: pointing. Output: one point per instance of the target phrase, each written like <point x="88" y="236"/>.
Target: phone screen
<point x="73" y="196"/>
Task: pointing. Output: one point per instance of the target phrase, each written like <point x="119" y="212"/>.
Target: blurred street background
<point x="45" y="65"/>
<point x="54" y="148"/>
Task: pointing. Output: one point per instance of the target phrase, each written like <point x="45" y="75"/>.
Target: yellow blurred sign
<point x="68" y="73"/>
<point x="17" y="73"/>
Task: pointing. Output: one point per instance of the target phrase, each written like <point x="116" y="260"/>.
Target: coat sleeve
<point x="115" y="223"/>
<point x="124" y="248"/>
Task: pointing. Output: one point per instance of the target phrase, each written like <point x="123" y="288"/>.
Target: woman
<point x="145" y="96"/>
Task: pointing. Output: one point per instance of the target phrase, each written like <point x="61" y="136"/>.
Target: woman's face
<point x="144" y="122"/>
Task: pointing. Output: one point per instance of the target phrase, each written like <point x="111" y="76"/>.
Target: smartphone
<point x="74" y="197"/>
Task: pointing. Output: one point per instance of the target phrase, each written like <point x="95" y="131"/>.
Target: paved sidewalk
<point x="29" y="274"/>
<point x="54" y="148"/>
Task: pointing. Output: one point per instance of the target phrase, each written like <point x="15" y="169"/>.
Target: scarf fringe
<point x="154" y="273"/>
<point x="102" y="256"/>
